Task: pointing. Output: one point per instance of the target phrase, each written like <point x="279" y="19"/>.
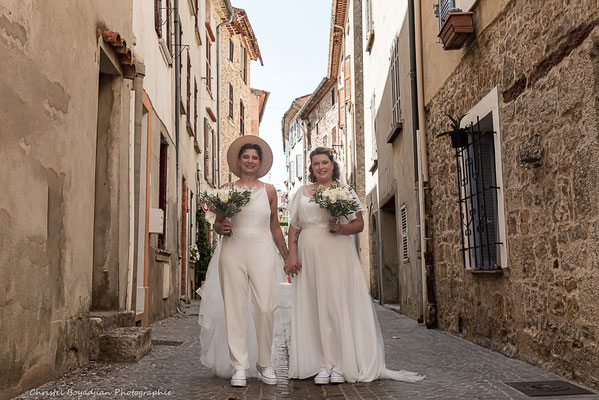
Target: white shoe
<point x="323" y="377"/>
<point x="239" y="378"/>
<point x="267" y="375"/>
<point x="337" y="377"/>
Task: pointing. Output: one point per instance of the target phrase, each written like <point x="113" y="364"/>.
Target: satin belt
<point x="235" y="228"/>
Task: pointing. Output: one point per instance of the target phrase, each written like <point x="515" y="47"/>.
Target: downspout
<point x="231" y="17"/>
<point x="177" y="53"/>
<point x="429" y="303"/>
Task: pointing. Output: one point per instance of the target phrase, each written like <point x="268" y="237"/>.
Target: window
<point x="369" y="21"/>
<point x="395" y="82"/>
<point x="188" y="110"/>
<point x="374" y="154"/>
<point x="244" y="60"/>
<point x="325" y="141"/>
<point x="442" y="11"/>
<point x="207" y="151"/>
<point x="215" y="170"/>
<point x="404" y="233"/>
<point x="208" y="65"/>
<point x="333" y="96"/>
<point x="169" y="40"/>
<point x="241" y="118"/>
<point x="230" y="100"/>
<point x="195" y="107"/>
<point x="158" y="17"/>
<point x="481" y="195"/>
<point x="334" y="137"/>
<point x="162" y="189"/>
<point x="347" y="73"/>
<point x="299" y="162"/>
<point x="292" y="171"/>
<point x="231" y="50"/>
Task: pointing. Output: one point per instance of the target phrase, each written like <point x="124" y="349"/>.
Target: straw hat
<point x="233" y="152"/>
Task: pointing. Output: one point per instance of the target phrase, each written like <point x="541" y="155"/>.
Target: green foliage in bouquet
<point x="336" y="199"/>
<point x="227" y="201"/>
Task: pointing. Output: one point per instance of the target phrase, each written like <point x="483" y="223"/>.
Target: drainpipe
<point x="177" y="118"/>
<point x="429" y="306"/>
<point x="231" y="17"/>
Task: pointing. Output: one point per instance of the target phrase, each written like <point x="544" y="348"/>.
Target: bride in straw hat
<point x="244" y="267"/>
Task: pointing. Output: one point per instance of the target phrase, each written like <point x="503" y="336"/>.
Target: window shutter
<point x="207" y="150"/>
<point x="404" y="232"/>
<point x="188" y="88"/>
<point x="292" y="171"/>
<point x="158" y="17"/>
<point x="214" y="160"/>
<point x="231" y="50"/>
<point x="195" y="107"/>
<point x="299" y="162"/>
<point x="241" y="118"/>
<point x="208" y="65"/>
<point x="395" y="82"/>
<point x="347" y="85"/>
<point x="374" y="154"/>
<point x="169" y="40"/>
<point x="230" y="100"/>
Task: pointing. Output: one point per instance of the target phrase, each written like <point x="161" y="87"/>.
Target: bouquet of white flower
<point x="336" y="199"/>
<point x="227" y="201"/>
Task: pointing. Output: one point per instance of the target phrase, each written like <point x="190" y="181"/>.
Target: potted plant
<point x="458" y="135"/>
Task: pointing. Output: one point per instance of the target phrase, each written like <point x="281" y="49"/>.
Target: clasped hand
<point x="292" y="265"/>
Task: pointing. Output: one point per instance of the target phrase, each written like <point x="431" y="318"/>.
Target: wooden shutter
<point x="395" y="82"/>
<point x="230" y="100"/>
<point x="158" y="17"/>
<point x="347" y="71"/>
<point x="168" y="26"/>
<point x="241" y="118"/>
<point x="195" y="107"/>
<point x="207" y="150"/>
<point x="188" y="116"/>
<point x="404" y="232"/>
<point x="214" y="160"/>
<point x="208" y="65"/>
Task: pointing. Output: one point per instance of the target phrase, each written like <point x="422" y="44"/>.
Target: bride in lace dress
<point x="335" y="334"/>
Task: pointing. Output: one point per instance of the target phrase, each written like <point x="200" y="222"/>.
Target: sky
<point x="293" y="37"/>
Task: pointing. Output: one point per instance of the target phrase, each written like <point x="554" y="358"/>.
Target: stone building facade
<point x="238" y="47"/>
<point x="530" y="75"/>
<point x="391" y="178"/>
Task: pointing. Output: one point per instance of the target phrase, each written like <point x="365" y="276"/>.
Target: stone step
<point x="104" y="321"/>
<point x="127" y="345"/>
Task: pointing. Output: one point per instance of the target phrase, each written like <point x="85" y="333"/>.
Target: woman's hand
<point x="292" y="265"/>
<point x="223" y="227"/>
<point x="335" y="227"/>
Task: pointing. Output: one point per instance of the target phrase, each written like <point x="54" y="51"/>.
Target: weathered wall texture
<point x="544" y="59"/>
<point x="231" y="73"/>
<point x="48" y="109"/>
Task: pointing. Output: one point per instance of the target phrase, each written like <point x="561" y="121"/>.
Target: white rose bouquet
<point x="336" y="199"/>
<point x="227" y="201"/>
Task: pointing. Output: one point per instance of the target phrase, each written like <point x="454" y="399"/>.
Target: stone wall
<point x="230" y="73"/>
<point x="544" y="308"/>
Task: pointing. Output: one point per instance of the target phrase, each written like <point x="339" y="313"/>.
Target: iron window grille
<point x="477" y="188"/>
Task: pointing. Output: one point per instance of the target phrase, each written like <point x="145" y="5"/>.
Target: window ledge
<point x="189" y="128"/>
<point x="374" y="166"/>
<point x="370" y="40"/>
<point x="395" y="131"/>
<point x="166" y="54"/>
<point x="486" y="271"/>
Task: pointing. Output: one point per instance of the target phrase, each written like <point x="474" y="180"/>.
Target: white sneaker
<point x="239" y="378"/>
<point x="267" y="375"/>
<point x="323" y="377"/>
<point x="337" y="377"/>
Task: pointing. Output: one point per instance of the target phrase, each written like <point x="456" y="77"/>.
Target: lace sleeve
<point x="293" y="208"/>
<point x="360" y="209"/>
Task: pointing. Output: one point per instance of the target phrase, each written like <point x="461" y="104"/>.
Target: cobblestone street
<point x="454" y="369"/>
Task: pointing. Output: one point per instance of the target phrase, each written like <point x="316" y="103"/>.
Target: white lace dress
<point x="333" y="323"/>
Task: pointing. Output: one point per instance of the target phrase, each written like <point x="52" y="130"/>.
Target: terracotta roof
<point x="241" y="26"/>
<point x="262" y="99"/>
<point x="294" y="108"/>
